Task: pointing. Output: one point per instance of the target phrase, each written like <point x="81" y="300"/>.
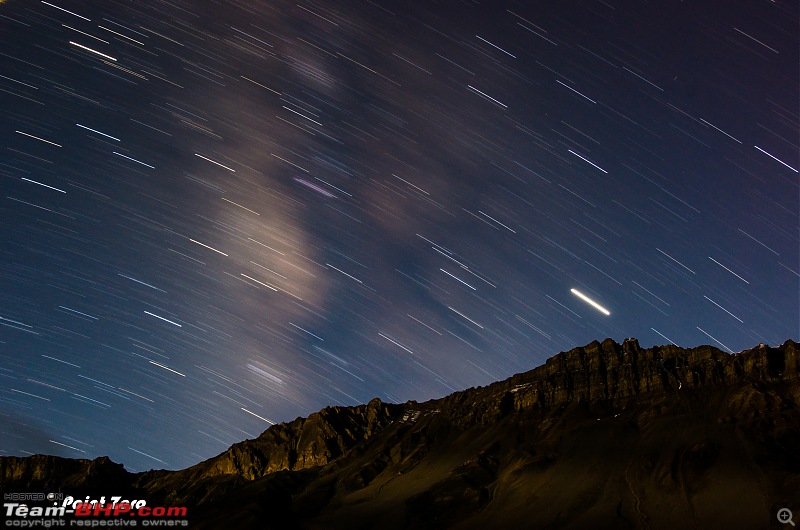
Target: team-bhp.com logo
<point x="108" y="510"/>
<point x="26" y="513"/>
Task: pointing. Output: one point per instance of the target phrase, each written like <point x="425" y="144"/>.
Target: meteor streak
<point x="590" y="302"/>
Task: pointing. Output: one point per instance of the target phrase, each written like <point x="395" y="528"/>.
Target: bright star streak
<point x="167" y="368"/>
<point x="164" y="319"/>
<point x="259" y="417"/>
<point x="88" y="49"/>
<point x="590" y="301"/>
<point x="98" y="132"/>
<point x="776" y="159"/>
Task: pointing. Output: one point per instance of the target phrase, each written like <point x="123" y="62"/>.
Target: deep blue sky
<point x="217" y="215"/>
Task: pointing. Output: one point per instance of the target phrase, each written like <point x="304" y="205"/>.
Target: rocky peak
<point x="607" y="376"/>
<point x="303" y="443"/>
<point x="53" y="472"/>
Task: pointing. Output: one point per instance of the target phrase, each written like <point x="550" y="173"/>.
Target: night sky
<point x="220" y="215"/>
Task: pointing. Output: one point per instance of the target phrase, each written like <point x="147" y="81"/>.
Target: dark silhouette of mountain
<point x="604" y="436"/>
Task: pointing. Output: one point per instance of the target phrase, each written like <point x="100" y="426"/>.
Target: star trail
<point x="220" y="215"/>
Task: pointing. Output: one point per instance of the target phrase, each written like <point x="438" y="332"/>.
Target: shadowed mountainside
<point x="604" y="436"/>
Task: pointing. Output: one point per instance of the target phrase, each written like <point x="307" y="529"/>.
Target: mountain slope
<point x="607" y="435"/>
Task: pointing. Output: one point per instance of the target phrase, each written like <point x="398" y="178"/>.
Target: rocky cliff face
<point x="51" y="472"/>
<point x="608" y="376"/>
<point x="624" y="430"/>
<point x="306" y="442"/>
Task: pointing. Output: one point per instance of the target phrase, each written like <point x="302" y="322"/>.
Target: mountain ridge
<point x="450" y="461"/>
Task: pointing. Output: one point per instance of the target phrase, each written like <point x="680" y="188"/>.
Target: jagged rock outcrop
<point x="609" y="375"/>
<point x="301" y="444"/>
<point x="304" y="443"/>
<point x="606" y="435"/>
<point x="52" y="472"/>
